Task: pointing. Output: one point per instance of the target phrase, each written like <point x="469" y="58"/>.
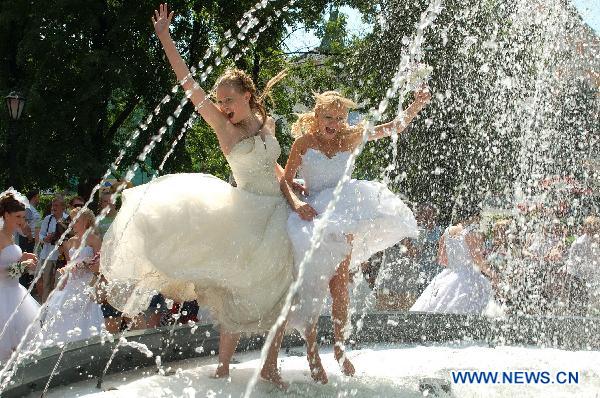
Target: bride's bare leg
<point x="317" y="372"/>
<point x="338" y="286"/>
<point x="227" y="345"/>
<point x="269" y="370"/>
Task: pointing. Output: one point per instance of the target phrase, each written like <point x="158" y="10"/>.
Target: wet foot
<point x="222" y="372"/>
<point x="317" y="372"/>
<point x="273" y="377"/>
<point x="346" y="366"/>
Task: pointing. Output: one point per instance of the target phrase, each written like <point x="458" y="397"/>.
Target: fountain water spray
<point x="427" y="18"/>
<point x="246" y="24"/>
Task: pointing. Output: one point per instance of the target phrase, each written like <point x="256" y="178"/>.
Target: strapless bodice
<point x="320" y="172"/>
<point x="9" y="255"/>
<point x="252" y="162"/>
<point x="86" y="253"/>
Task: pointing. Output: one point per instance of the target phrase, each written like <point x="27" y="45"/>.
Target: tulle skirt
<point x="11" y="293"/>
<point x="456" y="292"/>
<point x="367" y="218"/>
<point x="71" y="314"/>
<point x="195" y="237"/>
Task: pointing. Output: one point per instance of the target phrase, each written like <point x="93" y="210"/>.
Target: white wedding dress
<point x="367" y="210"/>
<point x="459" y="289"/>
<point x="71" y="314"/>
<point x="195" y="237"/>
<point x="584" y="263"/>
<point x="11" y="293"/>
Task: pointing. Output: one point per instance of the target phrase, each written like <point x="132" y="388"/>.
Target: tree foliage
<point x="93" y="72"/>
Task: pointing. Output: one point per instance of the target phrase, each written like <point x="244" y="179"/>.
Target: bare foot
<point x="317" y="372"/>
<point x="346" y="366"/>
<point x="222" y="372"/>
<point x="273" y="376"/>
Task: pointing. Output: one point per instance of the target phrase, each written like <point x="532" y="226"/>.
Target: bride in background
<point x="464" y="287"/>
<point x="71" y="313"/>
<point x="12" y="259"/>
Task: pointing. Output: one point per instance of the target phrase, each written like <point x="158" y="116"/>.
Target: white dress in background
<point x="368" y="210"/>
<point x="459" y="289"/>
<point x="584" y="263"/>
<point x="11" y="294"/>
<point x="71" y="314"/>
<point x="195" y="237"/>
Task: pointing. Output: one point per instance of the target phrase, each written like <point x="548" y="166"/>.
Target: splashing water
<point x="247" y="23"/>
<point x="531" y="110"/>
<point x="427" y="19"/>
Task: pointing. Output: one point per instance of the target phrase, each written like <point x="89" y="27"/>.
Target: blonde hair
<point x="86" y="214"/>
<point x="242" y="82"/>
<point x="501" y="223"/>
<point x="307" y="122"/>
<point x="592" y="223"/>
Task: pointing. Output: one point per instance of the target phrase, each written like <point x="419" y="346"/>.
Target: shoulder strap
<point x="48" y="225"/>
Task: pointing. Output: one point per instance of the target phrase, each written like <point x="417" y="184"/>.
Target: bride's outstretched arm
<point x="422" y="98"/>
<point x="205" y="107"/>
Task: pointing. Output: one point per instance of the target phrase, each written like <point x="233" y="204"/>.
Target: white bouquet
<point x="16" y="270"/>
<point x="417" y="75"/>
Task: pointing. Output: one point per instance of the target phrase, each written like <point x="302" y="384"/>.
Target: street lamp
<point x="14" y="104"/>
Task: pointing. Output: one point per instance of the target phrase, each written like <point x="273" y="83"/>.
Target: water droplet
<point x="130" y="174"/>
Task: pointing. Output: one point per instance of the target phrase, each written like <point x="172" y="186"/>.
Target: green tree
<point x="92" y="70"/>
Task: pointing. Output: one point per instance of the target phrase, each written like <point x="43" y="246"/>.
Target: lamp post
<point x="14" y="104"/>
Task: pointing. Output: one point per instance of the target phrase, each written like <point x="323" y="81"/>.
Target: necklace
<point x="244" y="126"/>
<point x="327" y="146"/>
<point x="7" y="235"/>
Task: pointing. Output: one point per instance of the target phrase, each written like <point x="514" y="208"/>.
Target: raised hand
<point x="161" y="21"/>
<point x="423" y="96"/>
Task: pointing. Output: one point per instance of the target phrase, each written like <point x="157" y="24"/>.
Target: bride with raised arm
<point x="367" y="217"/>
<point x="195" y="237"/>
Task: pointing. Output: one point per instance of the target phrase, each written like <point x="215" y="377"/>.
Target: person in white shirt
<point x="29" y="232"/>
<point x="48" y="236"/>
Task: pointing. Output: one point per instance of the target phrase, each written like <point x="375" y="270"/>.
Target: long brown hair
<point x="242" y="82"/>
